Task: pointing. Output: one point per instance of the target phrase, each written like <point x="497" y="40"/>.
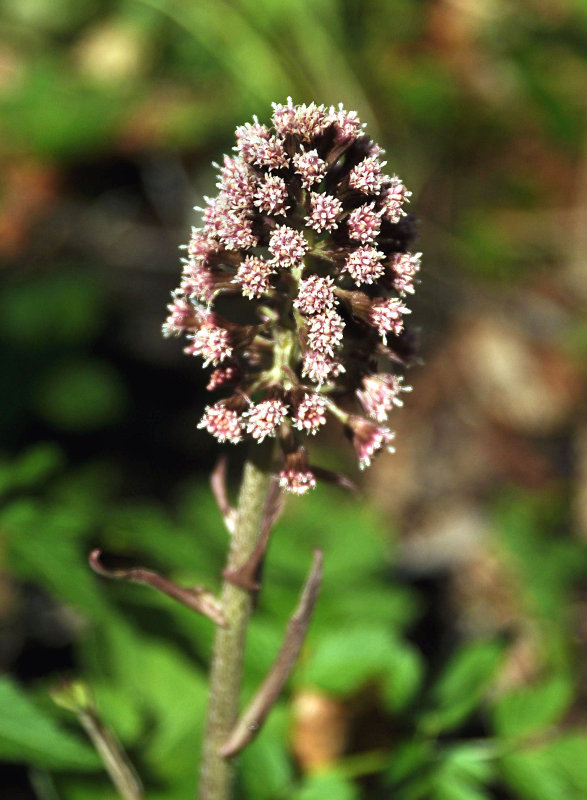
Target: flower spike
<point x="309" y="238"/>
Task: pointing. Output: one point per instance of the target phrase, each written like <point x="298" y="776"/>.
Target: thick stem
<point x="217" y="773"/>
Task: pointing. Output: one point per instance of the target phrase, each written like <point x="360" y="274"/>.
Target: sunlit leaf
<point x="28" y="735"/>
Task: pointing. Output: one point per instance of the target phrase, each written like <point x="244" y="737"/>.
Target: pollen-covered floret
<point x="264" y="419"/>
<point x="257" y="146"/>
<point x="388" y="316"/>
<point x="364" y="223"/>
<point x="324" y="212"/>
<point x="319" y="367"/>
<point x="380" y="393"/>
<point x="368" y="439"/>
<point x="180" y="319"/>
<point x="405" y="267"/>
<point x="223" y="423"/>
<point x="348" y="124"/>
<point x="364" y="265"/>
<point x="367" y="177"/>
<point x="395" y="196"/>
<point x="271" y="195"/>
<point x="310" y="413"/>
<point x="238" y="183"/>
<point x="325" y="331"/>
<point x="307" y="225"/>
<point x="200" y="245"/>
<point x="212" y="343"/>
<point x="315" y="294"/>
<point x="310" y="166"/>
<point x="288" y="246"/>
<point x="296" y="481"/>
<point x="253" y="276"/>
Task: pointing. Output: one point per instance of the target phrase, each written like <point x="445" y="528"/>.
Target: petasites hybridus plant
<point x="293" y="292"/>
<point x="309" y="238"/>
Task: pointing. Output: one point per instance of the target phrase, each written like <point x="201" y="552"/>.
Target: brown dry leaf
<point x="530" y="387"/>
<point x="28" y="189"/>
<point x="320" y="729"/>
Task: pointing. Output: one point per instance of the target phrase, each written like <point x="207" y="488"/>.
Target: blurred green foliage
<point x="144" y="659"/>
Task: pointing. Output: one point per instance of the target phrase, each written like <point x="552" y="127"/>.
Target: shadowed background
<point x="468" y="544"/>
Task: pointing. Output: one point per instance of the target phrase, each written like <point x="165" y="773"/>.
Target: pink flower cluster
<point x="308" y="238"/>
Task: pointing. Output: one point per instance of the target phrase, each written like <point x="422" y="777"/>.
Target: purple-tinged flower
<point x="236" y="231"/>
<point x="237" y="183"/>
<point x="318" y="367"/>
<point x="364" y="223"/>
<point x="200" y="245"/>
<point x="380" y="393"/>
<point x="395" y="196"/>
<point x="223" y="423"/>
<point x="249" y="133"/>
<point x="201" y="283"/>
<point x="257" y="146"/>
<point x="364" y="265"/>
<point x="288" y="246"/>
<point x="264" y="419"/>
<point x="181" y="317"/>
<point x="315" y="295"/>
<point x="296" y="476"/>
<point x="309" y="413"/>
<point x="303" y="121"/>
<point x="325" y="331"/>
<point x="271" y="195"/>
<point x="223" y="376"/>
<point x="405" y="267"/>
<point x="324" y="212"/>
<point x="387" y="316"/>
<point x="253" y="276"/>
<point x="348" y="124"/>
<point x="310" y="166"/>
<point x="307" y="225"/>
<point x="211" y="342"/>
<point x="367" y="177"/>
<point x="368" y="439"/>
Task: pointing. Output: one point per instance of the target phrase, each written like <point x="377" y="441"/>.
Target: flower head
<point x="223" y="423"/>
<point x="296" y="476"/>
<point x="309" y="239"/>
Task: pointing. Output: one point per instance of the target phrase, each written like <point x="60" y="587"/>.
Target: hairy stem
<point x="217" y="773"/>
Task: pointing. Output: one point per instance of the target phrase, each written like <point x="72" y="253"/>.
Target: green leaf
<point x="43" y="545"/>
<point x="473" y="762"/>
<point x="567" y="753"/>
<point x="532" y="776"/>
<point x="340" y="664"/>
<point x="265" y="767"/>
<point x="462" y="684"/>
<point x="408" y="759"/>
<point x="531" y="710"/>
<point x="403" y="676"/>
<point x="462" y="773"/>
<point x="326" y="785"/>
<point x="32" y="468"/>
<point x="449" y="787"/>
<point x="81" y="395"/>
<point x="56" y="309"/>
<point x="170" y="689"/>
<point x="554" y="771"/>
<point x="28" y="735"/>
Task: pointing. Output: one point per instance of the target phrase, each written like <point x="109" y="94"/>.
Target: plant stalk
<point x="217" y="773"/>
